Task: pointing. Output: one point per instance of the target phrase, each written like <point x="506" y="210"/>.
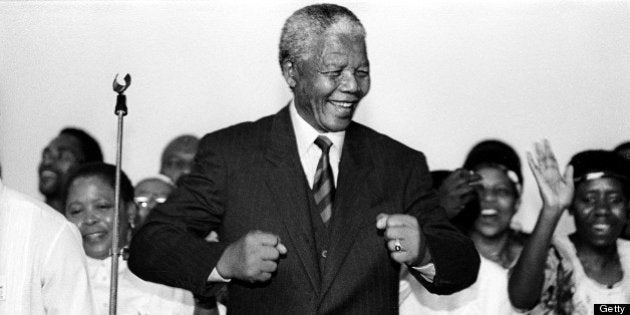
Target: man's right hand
<point x="254" y="257"/>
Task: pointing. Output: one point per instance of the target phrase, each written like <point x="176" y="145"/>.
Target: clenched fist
<point x="254" y="257"/>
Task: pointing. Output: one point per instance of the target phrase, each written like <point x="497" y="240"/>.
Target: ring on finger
<point x="397" y="245"/>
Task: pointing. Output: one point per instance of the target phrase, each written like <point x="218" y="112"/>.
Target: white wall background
<point x="445" y="74"/>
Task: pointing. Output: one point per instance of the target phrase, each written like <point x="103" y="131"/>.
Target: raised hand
<point x="457" y="190"/>
<point x="254" y="257"/>
<point x="526" y="281"/>
<point x="556" y="190"/>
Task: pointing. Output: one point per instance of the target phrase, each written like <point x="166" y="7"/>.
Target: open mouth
<point x="95" y="236"/>
<point x="46" y="174"/>
<point x="601" y="228"/>
<point x="489" y="212"/>
<point x="342" y="106"/>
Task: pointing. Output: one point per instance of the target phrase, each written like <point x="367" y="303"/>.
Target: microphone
<point x="121" y="99"/>
<point x="120" y="111"/>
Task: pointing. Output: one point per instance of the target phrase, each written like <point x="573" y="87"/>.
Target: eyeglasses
<point x="148" y="201"/>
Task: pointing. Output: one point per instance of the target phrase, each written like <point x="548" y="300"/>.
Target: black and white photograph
<point x="300" y="157"/>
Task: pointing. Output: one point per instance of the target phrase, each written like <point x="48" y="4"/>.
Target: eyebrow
<point x="607" y="191"/>
<point x="77" y="153"/>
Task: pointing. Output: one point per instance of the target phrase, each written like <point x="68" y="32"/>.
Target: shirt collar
<point x="105" y="264"/>
<point x="305" y="134"/>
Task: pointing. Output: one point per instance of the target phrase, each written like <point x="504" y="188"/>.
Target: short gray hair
<point x="308" y="23"/>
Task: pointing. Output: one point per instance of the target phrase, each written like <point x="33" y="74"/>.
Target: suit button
<point x="324" y="253"/>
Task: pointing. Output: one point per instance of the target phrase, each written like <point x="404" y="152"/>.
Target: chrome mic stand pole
<point x="120" y="111"/>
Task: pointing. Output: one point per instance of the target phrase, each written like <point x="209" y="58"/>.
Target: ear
<point x="290" y="73"/>
<point x="132" y="212"/>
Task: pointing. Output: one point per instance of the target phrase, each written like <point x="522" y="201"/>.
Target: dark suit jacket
<point x="249" y="177"/>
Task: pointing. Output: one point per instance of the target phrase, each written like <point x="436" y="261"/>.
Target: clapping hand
<point x="556" y="190"/>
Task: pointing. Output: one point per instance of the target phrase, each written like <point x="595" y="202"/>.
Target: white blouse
<point x="136" y="296"/>
<point x="488" y="295"/>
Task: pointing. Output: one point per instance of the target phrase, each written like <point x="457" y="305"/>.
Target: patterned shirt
<point x="568" y="290"/>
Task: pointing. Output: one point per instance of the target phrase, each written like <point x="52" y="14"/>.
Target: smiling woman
<point x="591" y="265"/>
<point x="487" y="193"/>
<point x="89" y="204"/>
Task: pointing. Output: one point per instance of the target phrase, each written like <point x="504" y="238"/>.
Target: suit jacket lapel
<point x="287" y="182"/>
<point x="354" y="168"/>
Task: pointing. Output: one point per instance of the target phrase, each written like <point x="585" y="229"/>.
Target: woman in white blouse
<point x="89" y="203"/>
<point x="481" y="200"/>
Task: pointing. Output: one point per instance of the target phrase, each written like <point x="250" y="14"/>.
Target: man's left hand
<point x="402" y="234"/>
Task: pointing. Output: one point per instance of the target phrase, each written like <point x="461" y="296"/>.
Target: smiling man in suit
<point x="315" y="213"/>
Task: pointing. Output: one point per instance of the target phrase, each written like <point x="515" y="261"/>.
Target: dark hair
<point x="185" y="143"/>
<point x="104" y="171"/>
<point x="89" y="146"/>
<point x="591" y="164"/>
<point x="495" y="153"/>
<point x="438" y="177"/>
<point x="492" y="153"/>
<point x="625" y="146"/>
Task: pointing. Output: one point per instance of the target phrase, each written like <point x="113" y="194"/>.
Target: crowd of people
<point x="306" y="211"/>
<point x="541" y="272"/>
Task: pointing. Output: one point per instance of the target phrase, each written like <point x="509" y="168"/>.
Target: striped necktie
<point x="324" y="182"/>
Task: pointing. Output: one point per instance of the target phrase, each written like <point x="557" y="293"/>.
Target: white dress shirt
<point x="309" y="152"/>
<point x="42" y="262"/>
<point x="136" y="296"/>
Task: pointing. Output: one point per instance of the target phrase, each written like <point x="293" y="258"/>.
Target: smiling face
<point x="90" y="206"/>
<point x="63" y="153"/>
<point x="498" y="200"/>
<point x="599" y="209"/>
<point x="329" y="83"/>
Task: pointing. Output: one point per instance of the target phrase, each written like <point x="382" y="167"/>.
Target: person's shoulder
<point x="15" y="201"/>
<point x="386" y="144"/>
<point x="244" y="132"/>
<point x="623" y="247"/>
<point x="20" y="207"/>
<point x="246" y="127"/>
<point x="166" y="299"/>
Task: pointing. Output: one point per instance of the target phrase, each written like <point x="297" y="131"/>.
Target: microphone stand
<point x="120" y="111"/>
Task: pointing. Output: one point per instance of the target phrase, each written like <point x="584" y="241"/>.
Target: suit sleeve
<point x="170" y="248"/>
<point x="454" y="256"/>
